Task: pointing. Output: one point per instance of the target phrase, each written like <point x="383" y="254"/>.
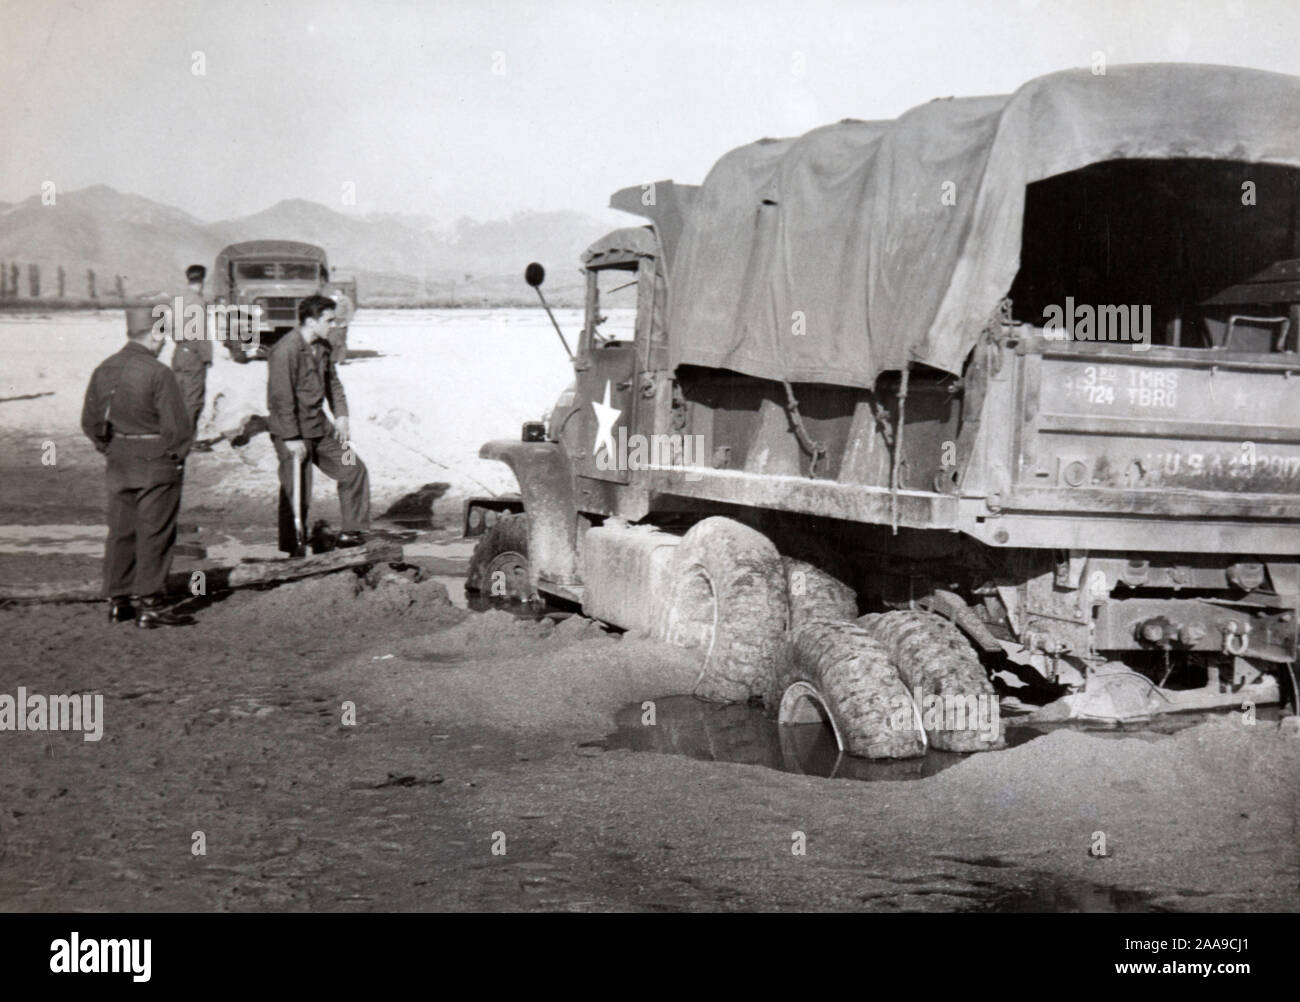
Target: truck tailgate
<point x="1162" y="431"/>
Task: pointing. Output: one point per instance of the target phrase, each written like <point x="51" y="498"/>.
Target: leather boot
<point x="120" y="609"/>
<point x="153" y="612"/>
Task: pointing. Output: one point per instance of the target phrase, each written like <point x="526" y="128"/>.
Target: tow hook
<point x="1236" y="637"/>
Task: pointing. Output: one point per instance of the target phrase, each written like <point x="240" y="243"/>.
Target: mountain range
<point x="396" y="258"/>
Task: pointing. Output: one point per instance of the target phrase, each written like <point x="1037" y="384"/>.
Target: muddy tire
<point x="934" y="659"/>
<point x="837" y="670"/>
<point x="498" y="567"/>
<point x="727" y="596"/>
<point x="815" y="594"/>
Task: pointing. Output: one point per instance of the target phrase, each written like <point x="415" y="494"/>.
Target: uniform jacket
<point x="191" y="354"/>
<point x="132" y="393"/>
<point x="300" y="380"/>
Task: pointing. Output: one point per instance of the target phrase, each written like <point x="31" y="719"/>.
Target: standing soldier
<point x="193" y="354"/>
<point x="300" y="379"/>
<point x="338" y="337"/>
<point x="134" y="415"/>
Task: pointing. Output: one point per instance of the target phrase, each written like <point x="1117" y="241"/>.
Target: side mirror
<point x="533" y="275"/>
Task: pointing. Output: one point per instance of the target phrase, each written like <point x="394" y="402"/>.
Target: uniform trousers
<point x="353" y="486"/>
<point x="144" y="497"/>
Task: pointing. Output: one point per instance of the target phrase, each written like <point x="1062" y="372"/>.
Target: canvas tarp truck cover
<point x="847" y="227"/>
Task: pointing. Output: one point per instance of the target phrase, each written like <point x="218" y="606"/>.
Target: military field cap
<point x="195" y="272"/>
<point x="139" y="320"/>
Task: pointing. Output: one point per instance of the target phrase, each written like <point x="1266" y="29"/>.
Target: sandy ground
<point x="482" y="731"/>
<point x="476" y="730"/>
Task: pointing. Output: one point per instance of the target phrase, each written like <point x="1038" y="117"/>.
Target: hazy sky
<point x="484" y="109"/>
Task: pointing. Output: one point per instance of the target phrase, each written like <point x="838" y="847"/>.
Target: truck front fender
<point x="545" y="478"/>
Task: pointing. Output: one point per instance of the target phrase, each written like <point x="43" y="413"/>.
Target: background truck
<point x="275" y="276"/>
<point x="887" y="462"/>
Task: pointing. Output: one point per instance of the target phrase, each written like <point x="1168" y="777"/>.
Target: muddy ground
<point x="476" y="730"/>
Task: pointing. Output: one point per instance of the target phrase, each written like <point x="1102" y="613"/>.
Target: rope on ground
<point x="451" y="469"/>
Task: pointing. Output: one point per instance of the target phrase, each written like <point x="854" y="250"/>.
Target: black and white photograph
<point x="647" y="457"/>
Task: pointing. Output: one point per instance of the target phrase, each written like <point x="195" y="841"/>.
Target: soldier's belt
<point x="120" y="434"/>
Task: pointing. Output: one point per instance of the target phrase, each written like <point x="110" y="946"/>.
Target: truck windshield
<point x="278" y="271"/>
<point x="614" y="300"/>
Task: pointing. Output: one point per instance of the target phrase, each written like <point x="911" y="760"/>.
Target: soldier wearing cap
<point x="135" y="415"/>
<point x="193" y="352"/>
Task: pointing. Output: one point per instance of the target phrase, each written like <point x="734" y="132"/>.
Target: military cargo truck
<point x="1007" y="387"/>
<point x="273" y="277"/>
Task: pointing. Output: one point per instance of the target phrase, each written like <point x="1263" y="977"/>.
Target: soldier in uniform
<point x="301" y="378"/>
<point x="135" y="415"/>
<point x="193" y="353"/>
<point x="338" y="336"/>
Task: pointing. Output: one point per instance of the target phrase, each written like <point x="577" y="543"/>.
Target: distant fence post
<point x="90" y="283"/>
<point x="4" y="281"/>
<point x="13" y="279"/>
<point x="121" y="289"/>
<point x="34" y="280"/>
<point x="62" y="280"/>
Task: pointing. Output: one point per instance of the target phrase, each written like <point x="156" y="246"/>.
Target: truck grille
<point x="279" y="310"/>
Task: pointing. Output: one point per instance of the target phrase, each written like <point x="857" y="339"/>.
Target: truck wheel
<point x="815" y="594"/>
<point x="837" y="671"/>
<point x="934" y="658"/>
<point x="728" y="598"/>
<point x="498" y="568"/>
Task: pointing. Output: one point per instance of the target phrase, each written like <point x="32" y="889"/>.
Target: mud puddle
<point x="684" y="725"/>
<point x="533" y="611"/>
<point x="745" y="734"/>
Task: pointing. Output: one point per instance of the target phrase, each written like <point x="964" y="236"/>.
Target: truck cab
<point x="268" y="279"/>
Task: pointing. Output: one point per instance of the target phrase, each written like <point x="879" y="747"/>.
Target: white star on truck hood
<point x="606" y="417"/>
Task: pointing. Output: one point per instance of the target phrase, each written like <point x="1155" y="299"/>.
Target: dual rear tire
<point x="728" y="598"/>
<point x="781" y="630"/>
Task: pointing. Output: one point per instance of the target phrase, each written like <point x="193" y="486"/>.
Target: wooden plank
<point x="219" y="579"/>
<point x="272" y="571"/>
<point x="446" y="566"/>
